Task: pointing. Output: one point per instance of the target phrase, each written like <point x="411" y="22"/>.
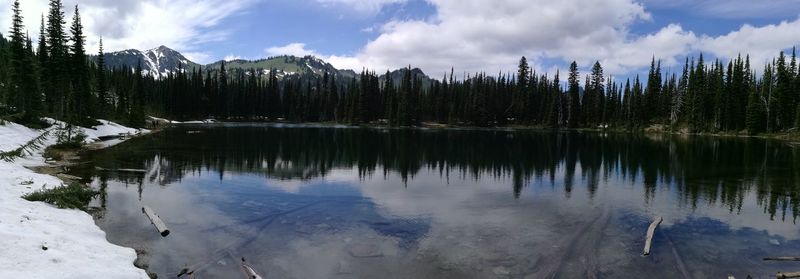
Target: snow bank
<point x="13" y="135"/>
<point x="38" y="240"/>
<point x="167" y="121"/>
<point x="109" y="128"/>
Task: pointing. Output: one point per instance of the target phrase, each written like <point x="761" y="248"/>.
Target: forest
<point x="58" y="79"/>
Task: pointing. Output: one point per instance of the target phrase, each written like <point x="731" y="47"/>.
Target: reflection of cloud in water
<point x="295" y="186"/>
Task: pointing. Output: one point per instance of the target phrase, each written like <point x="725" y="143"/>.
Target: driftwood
<point x="251" y="274"/>
<point x="160" y="226"/>
<point x="650" y="232"/>
<point x="782" y="275"/>
<point x="785" y="259"/>
<point x="122" y="170"/>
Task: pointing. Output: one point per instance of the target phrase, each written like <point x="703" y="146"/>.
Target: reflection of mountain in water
<point x="712" y="170"/>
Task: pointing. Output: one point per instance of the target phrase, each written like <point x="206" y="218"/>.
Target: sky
<point x="439" y="35"/>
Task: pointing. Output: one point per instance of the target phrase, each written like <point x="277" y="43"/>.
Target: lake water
<point x="333" y="202"/>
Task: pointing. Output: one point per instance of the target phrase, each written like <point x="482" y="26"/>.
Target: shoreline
<point x="790" y="137"/>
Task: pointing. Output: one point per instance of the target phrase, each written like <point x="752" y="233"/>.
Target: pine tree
<point x="756" y="114"/>
<point x="23" y="76"/>
<point x="41" y="52"/>
<point x="597" y="89"/>
<point x="16" y="96"/>
<point x="81" y="98"/>
<point x="57" y="67"/>
<point x="136" y="117"/>
<point x="573" y="99"/>
<point x="4" y="98"/>
<point x="103" y="100"/>
<point x="520" y="101"/>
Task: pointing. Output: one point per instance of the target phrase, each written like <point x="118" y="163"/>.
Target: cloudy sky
<point x="435" y="35"/>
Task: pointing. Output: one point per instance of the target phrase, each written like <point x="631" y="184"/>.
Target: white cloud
<point x="231" y="57"/>
<point x="365" y="7"/>
<point x="140" y="24"/>
<point x="761" y="43"/>
<point x="198" y="56"/>
<point x="476" y="35"/>
<point x="296" y="49"/>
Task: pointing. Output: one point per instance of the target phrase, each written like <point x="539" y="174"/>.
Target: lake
<point x="304" y="201"/>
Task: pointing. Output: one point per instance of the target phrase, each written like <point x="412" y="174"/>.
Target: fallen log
<point x="122" y="170"/>
<point x="251" y="274"/>
<point x="785" y="259"/>
<point x="782" y="275"/>
<point x="650" y="232"/>
<point x="156" y="221"/>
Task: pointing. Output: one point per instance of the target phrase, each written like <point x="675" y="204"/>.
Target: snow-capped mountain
<point x="157" y="62"/>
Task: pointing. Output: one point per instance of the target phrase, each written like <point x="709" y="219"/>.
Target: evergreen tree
<point x="103" y="100"/>
<point x="136" y="117"/>
<point x="23" y="92"/>
<point x="16" y="96"/>
<point x="81" y="98"/>
<point x="520" y="100"/>
<point x="57" y="67"/>
<point x="573" y="99"/>
<point x="596" y="93"/>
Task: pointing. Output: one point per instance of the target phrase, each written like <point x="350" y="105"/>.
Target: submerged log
<point x="160" y="226"/>
<point x="122" y="170"/>
<point x="650" y="232"/>
<point x="782" y="259"/>
<point x="251" y="274"/>
<point x="782" y="275"/>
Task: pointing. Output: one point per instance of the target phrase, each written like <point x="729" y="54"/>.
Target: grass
<point x="74" y="196"/>
<point x="54" y="154"/>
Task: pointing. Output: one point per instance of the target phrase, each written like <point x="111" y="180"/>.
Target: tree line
<point x="57" y="79"/>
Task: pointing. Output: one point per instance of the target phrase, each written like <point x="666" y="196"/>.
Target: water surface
<point x="334" y="202"/>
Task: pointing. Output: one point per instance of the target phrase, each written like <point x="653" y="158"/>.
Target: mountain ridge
<point x="163" y="61"/>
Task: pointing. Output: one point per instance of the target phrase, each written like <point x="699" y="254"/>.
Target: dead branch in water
<point x="782" y="275"/>
<point x="784" y="259"/>
<point x="157" y="222"/>
<point x="650" y="232"/>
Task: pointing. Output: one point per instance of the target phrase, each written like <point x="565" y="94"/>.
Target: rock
<point x="501" y="271"/>
<point x="363" y="250"/>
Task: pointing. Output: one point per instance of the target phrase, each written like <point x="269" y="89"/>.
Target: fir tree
<point x="57" y="67"/>
<point x="81" y="98"/>
<point x="103" y="100"/>
<point x="573" y="99"/>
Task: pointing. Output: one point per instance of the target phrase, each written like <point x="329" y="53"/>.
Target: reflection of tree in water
<point x="711" y="170"/>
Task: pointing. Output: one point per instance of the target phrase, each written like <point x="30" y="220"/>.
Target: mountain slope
<point x="158" y="62"/>
<point x="285" y="65"/>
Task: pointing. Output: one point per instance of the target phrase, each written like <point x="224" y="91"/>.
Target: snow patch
<point x="39" y="240"/>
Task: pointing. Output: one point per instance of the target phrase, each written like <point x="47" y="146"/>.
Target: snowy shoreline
<point x="39" y="240"/>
